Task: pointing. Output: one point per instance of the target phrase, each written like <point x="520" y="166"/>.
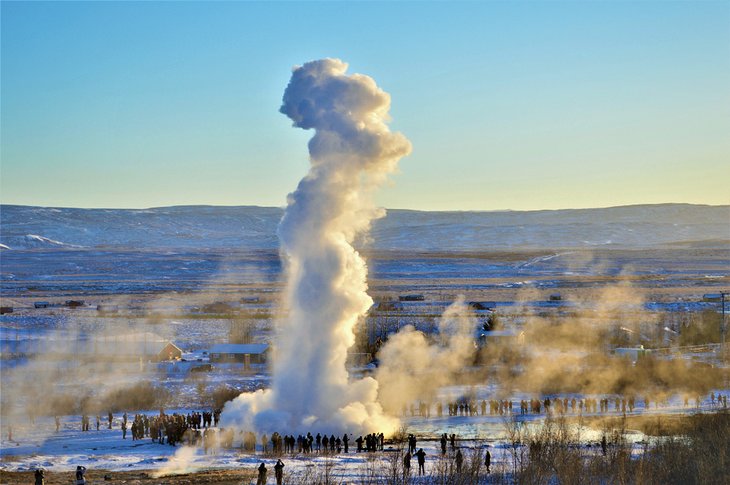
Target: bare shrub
<point x="143" y="395"/>
<point x="221" y="395"/>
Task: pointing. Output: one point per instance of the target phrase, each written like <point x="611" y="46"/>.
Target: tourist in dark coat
<point x="80" y="470"/>
<point x="279" y="472"/>
<point x="421" y="455"/>
<point x="262" y="474"/>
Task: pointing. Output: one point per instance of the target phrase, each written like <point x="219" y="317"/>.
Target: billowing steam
<point x="351" y="153"/>
<point x="414" y="367"/>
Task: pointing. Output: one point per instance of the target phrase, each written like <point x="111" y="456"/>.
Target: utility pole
<point x="723" y="326"/>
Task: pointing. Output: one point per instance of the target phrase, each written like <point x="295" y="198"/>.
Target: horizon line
<point x="3" y="204"/>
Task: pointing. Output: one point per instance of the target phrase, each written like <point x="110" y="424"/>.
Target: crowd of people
<point x="547" y="405"/>
<point x="201" y="429"/>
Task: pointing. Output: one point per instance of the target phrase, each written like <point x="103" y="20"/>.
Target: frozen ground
<point x="160" y="266"/>
<point x="40" y="446"/>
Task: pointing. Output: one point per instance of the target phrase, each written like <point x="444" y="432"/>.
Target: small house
<point x="411" y="298"/>
<point x="246" y="354"/>
<point x="41" y="304"/>
<point x="386" y="306"/>
<point x="5" y="309"/>
<point x="632" y="353"/>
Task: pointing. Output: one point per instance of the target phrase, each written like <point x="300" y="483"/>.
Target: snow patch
<point x="36" y="241"/>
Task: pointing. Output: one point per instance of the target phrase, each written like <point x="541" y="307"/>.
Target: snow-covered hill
<point x="245" y="227"/>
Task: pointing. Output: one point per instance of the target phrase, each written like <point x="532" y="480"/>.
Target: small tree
<point x="702" y="328"/>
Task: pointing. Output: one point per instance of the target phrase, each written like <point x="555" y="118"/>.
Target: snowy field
<point x="39" y="445"/>
<point x="160" y="282"/>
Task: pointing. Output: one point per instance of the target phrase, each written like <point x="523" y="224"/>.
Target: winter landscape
<point x="557" y="321"/>
<point x="326" y="339"/>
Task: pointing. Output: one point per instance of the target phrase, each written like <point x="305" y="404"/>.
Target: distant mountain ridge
<point x="254" y="228"/>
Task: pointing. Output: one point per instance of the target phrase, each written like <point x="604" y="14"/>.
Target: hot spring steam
<point x="351" y="153"/>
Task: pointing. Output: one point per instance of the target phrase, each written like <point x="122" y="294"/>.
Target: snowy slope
<point x="246" y="227"/>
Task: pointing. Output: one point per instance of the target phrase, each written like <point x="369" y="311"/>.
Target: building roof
<point x="239" y="349"/>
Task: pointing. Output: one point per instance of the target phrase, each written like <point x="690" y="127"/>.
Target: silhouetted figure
<point x="279" y="472"/>
<point x="412" y="443"/>
<point x="604" y="445"/>
<point x="406" y="464"/>
<point x="421" y="455"/>
<point x="262" y="474"/>
<point x="443" y="444"/>
<point x="345" y="441"/>
<point x="459" y="461"/>
<point x="487" y="460"/>
<point x="40" y="478"/>
<point x="80" y="470"/>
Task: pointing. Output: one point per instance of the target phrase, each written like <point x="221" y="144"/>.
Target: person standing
<point x="421" y="455"/>
<point x="279" y="472"/>
<point x="262" y="475"/>
<point x="40" y="478"/>
<point x="406" y="465"/>
<point x="80" y="470"/>
<point x="459" y="461"/>
<point x="488" y="460"/>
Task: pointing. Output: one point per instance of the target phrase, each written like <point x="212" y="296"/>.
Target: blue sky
<point x="521" y="105"/>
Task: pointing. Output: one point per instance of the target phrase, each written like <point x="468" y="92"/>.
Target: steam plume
<point x="414" y="368"/>
<point x="351" y="154"/>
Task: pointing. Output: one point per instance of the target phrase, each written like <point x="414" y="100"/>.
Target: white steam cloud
<point x="352" y="152"/>
<point x="413" y="366"/>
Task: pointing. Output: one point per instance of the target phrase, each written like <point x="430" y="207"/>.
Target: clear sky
<point x="508" y="105"/>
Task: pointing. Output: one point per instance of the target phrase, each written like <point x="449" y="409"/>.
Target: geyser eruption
<point x="352" y="152"/>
